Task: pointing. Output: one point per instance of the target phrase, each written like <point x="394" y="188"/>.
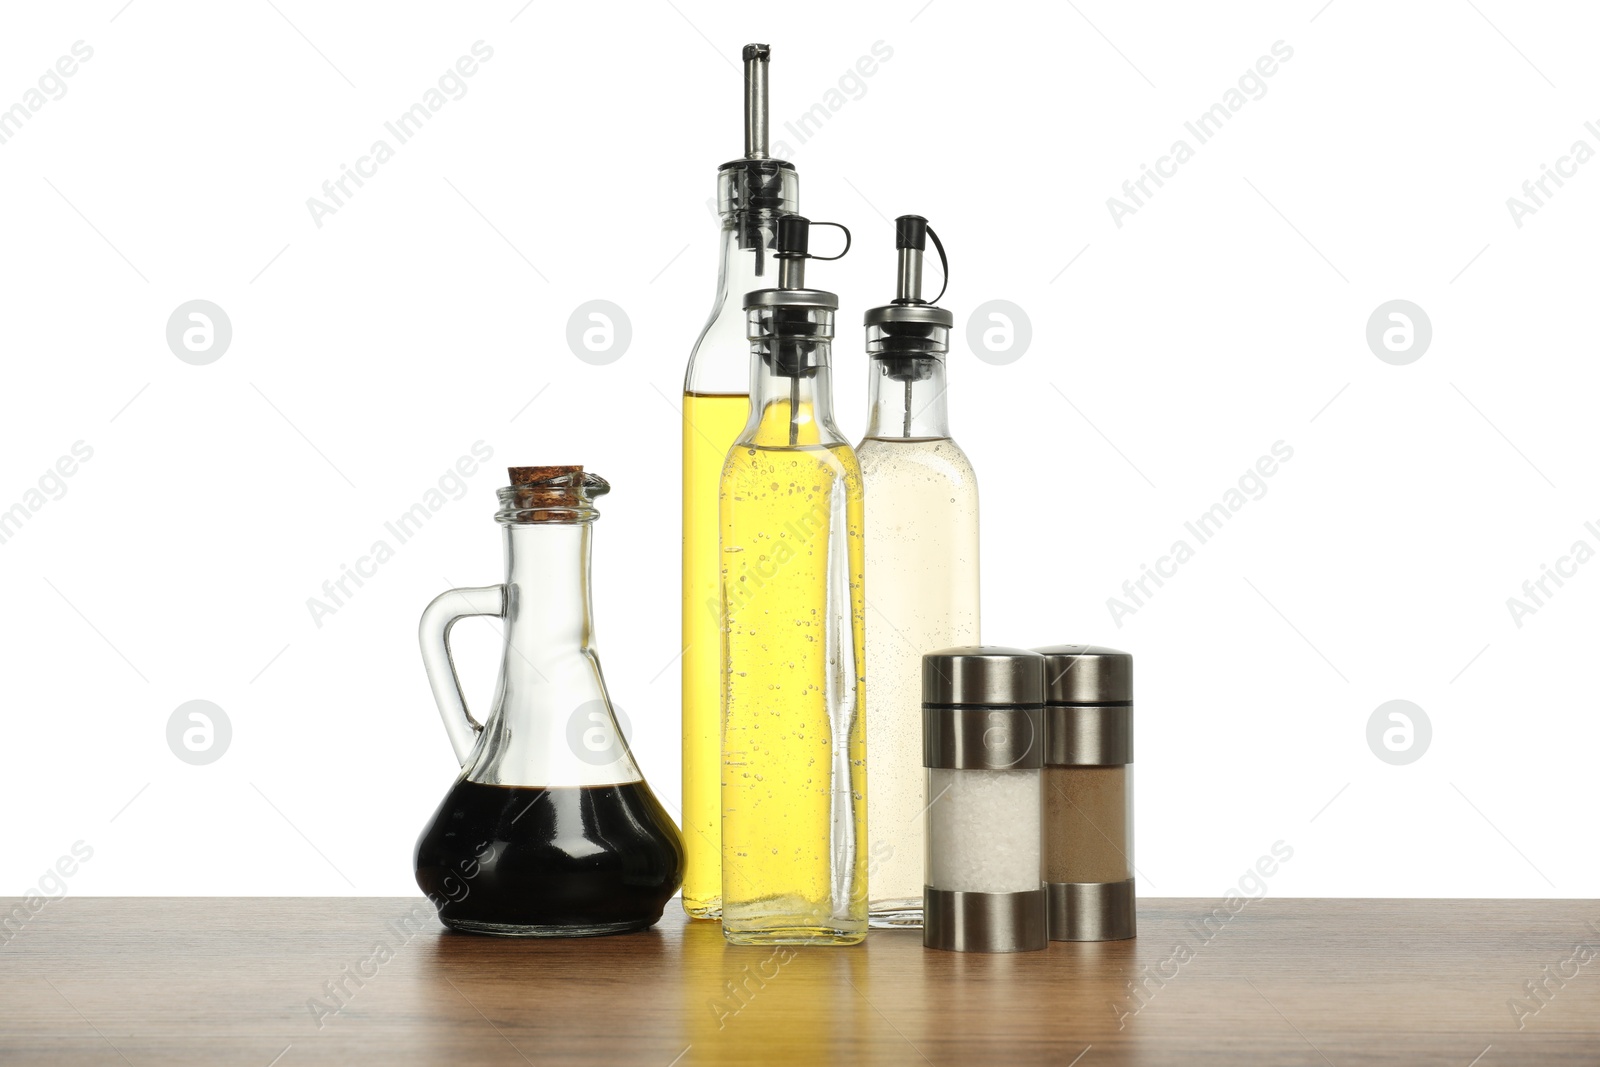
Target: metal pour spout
<point x="911" y="240"/>
<point x="907" y="336"/>
<point x="755" y="100"/>
<point x="791" y="327"/>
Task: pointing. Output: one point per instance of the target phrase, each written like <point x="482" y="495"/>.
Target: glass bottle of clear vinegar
<point x="793" y="744"/>
<point x="752" y="193"/>
<point x="922" y="558"/>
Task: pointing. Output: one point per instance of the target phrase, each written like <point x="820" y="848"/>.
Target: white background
<point x="1167" y="355"/>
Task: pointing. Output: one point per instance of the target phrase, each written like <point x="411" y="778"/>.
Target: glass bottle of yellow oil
<point x="752" y="193"/>
<point x="794" y="817"/>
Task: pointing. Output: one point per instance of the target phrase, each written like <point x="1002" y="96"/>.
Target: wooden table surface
<point x="291" y="981"/>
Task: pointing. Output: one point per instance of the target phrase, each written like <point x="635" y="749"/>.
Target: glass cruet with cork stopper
<point x="550" y="829"/>
<point x="752" y="192"/>
<point x="921" y="559"/>
<point x="793" y="744"/>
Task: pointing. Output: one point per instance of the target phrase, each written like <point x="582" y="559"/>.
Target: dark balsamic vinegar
<point x="571" y="861"/>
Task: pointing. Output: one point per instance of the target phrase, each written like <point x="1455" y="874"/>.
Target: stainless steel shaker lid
<point x="983" y="675"/>
<point x="1087" y="674"/>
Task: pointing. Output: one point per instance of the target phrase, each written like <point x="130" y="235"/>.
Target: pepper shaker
<point x="1088" y="783"/>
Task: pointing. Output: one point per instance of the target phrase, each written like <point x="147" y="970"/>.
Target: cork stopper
<point x="534" y="475"/>
<point x="550" y="494"/>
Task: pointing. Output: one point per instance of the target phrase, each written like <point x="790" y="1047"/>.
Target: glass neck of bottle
<point x="792" y="411"/>
<point x="551" y="687"/>
<point x="748" y="262"/>
<point x="549" y="618"/>
<point x="904" y="406"/>
<point x="717" y="364"/>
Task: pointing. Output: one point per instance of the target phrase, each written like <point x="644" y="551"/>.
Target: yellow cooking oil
<point x="711" y="423"/>
<point x="793" y="742"/>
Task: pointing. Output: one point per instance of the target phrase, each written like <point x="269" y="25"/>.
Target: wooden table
<point x="293" y="981"/>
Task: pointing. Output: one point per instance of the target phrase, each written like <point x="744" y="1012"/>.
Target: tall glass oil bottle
<point x="793" y="745"/>
<point x="922" y="556"/>
<point x="752" y="193"/>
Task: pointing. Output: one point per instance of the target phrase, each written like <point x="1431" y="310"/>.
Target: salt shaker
<point x="983" y="746"/>
<point x="1088" y="784"/>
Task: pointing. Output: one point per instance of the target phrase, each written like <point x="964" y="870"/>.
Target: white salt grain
<point x="984" y="831"/>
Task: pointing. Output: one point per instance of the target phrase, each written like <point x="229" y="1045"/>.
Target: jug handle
<point x="434" y="635"/>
